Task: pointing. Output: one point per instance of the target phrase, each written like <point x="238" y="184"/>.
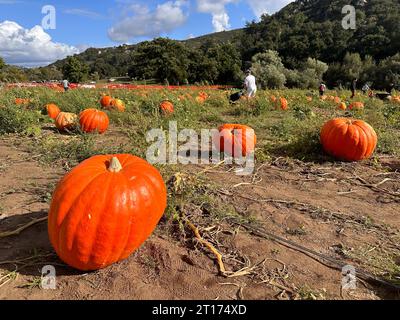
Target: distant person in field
<point x="65" y="85"/>
<point x="250" y="84"/>
<point x="322" y="89"/>
<point x="365" y="89"/>
<point x="353" y="88"/>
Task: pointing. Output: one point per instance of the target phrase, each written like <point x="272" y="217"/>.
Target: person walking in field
<point x="322" y="89"/>
<point x="354" y="88"/>
<point x="250" y="84"/>
<point x="65" y="85"/>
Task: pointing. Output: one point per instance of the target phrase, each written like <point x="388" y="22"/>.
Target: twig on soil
<point x="207" y="244"/>
<point x="22" y="228"/>
<point x="240" y="291"/>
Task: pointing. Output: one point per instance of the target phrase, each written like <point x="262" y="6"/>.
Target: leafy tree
<point x="75" y="70"/>
<point x="269" y="70"/>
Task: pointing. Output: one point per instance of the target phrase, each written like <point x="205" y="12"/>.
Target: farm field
<point x="284" y="232"/>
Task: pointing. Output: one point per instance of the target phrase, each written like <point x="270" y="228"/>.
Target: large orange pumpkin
<point x="118" y="104"/>
<point x="106" y="101"/>
<point x="93" y="120"/>
<point x="66" y="121"/>
<point x="348" y="139"/>
<point x="167" y="107"/>
<point x="52" y="110"/>
<point x="235" y="139"/>
<point x="104" y="209"/>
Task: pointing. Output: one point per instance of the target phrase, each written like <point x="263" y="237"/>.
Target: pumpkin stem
<point x="115" y="165"/>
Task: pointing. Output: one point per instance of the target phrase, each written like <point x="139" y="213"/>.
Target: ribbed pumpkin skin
<point x="348" y="139"/>
<point x="167" y="107"/>
<point x="65" y="121"/>
<point x="98" y="217"/>
<point x="241" y="139"/>
<point x="93" y="120"/>
<point x="52" y="110"/>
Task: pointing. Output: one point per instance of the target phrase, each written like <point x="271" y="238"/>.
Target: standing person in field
<point x="353" y="88"/>
<point x="322" y="89"/>
<point x="250" y="84"/>
<point x="65" y="85"/>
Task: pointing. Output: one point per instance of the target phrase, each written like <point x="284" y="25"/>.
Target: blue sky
<point x="82" y="24"/>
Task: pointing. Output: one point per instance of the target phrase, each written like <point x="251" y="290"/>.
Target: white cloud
<point x="140" y="21"/>
<point x="260" y="7"/>
<point x="30" y="47"/>
<point x="220" y="18"/>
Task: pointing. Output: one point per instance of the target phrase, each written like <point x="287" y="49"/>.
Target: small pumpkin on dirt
<point x="348" y="139"/>
<point x="235" y="139"/>
<point x="118" y="104"/>
<point x="104" y="209"/>
<point x="356" y="105"/>
<point x="52" y="110"/>
<point x="167" y="107"/>
<point x="93" y="120"/>
<point x="66" y="121"/>
<point x="106" y="101"/>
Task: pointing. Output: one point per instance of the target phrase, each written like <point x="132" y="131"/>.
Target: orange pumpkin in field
<point x="309" y="99"/>
<point x="235" y="139"/>
<point x="66" y="121"/>
<point x="106" y="101"/>
<point x="342" y="106"/>
<point x="20" y="101"/>
<point x="167" y="107"/>
<point x="93" y="120"/>
<point x="356" y="105"/>
<point x="348" y="139"/>
<point x="273" y="99"/>
<point x="118" y="105"/>
<point x="282" y="103"/>
<point x="105" y="209"/>
<point x="52" y="110"/>
<point x="337" y="100"/>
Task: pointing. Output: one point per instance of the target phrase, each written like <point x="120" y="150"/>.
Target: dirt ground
<point x="346" y="211"/>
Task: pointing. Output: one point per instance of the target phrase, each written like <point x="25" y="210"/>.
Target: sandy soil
<point x="349" y="212"/>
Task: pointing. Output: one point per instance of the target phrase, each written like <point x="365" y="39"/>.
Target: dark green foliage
<point x="75" y="70"/>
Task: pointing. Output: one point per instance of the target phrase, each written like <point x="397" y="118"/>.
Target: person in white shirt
<point x="65" y="85"/>
<point x="250" y="84"/>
